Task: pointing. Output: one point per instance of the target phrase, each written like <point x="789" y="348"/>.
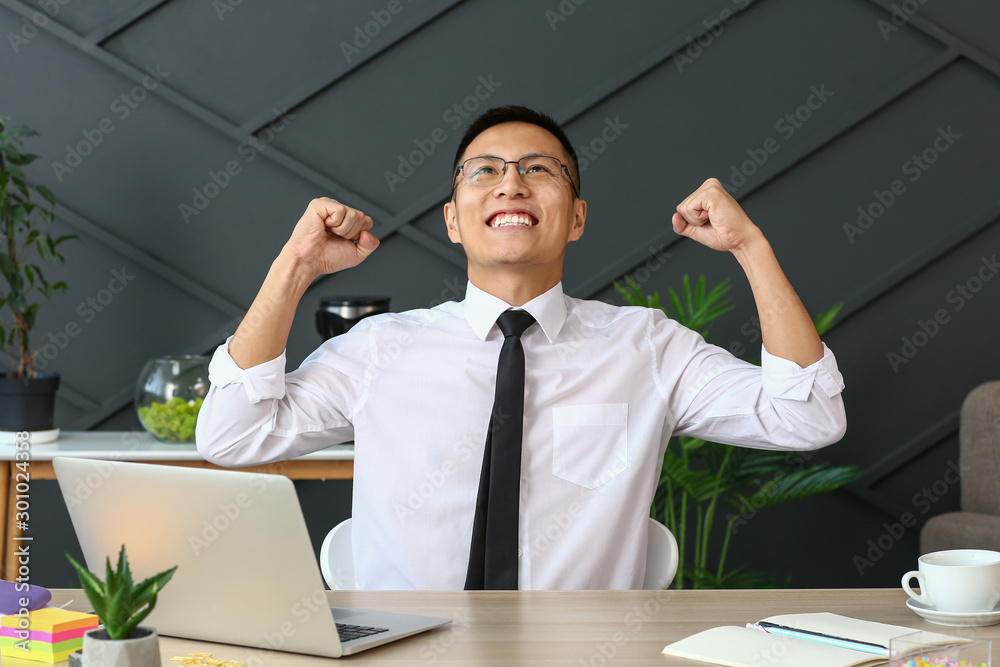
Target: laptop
<point x="246" y="574"/>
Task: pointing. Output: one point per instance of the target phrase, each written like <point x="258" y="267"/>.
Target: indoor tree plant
<point x="697" y="474"/>
<point x="121" y="606"/>
<point x="27" y="396"/>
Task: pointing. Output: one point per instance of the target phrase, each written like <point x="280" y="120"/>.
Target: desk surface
<point x="577" y="628"/>
<point x="138" y="446"/>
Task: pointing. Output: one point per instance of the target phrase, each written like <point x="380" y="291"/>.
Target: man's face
<point x="556" y="216"/>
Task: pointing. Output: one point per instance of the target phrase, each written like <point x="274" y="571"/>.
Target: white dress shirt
<point x="606" y="387"/>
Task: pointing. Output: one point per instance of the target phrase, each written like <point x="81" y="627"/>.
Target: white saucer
<point x="956" y="619"/>
<point x="34" y="437"/>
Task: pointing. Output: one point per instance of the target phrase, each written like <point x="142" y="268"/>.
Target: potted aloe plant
<point x="27" y="394"/>
<point x="121" y="605"/>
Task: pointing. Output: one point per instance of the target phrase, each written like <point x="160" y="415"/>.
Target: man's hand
<point x="330" y="237"/>
<point x="712" y="217"/>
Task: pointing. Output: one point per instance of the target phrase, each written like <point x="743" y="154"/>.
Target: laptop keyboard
<point x="349" y="632"/>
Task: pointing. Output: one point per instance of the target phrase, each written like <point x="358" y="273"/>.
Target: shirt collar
<point x="482" y="310"/>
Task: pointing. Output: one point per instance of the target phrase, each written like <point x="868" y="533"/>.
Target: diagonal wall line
<point x="902" y="271"/>
<point x="147" y="261"/>
<point x="299" y="97"/>
<point x="784" y="161"/>
<point x="902" y="455"/>
<point x="122" y="21"/>
<point x="584" y="103"/>
<point x="936" y="32"/>
<point x="203" y="114"/>
<point x="124" y="397"/>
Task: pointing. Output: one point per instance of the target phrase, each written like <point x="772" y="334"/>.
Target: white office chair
<point x="336" y="558"/>
<point x="661" y="556"/>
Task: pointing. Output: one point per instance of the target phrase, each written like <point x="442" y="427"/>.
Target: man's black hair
<point x="517" y="114"/>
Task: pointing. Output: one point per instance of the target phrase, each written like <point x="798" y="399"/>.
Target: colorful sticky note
<point x="46" y="635"/>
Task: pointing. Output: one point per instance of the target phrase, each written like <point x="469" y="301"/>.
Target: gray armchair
<point x="977" y="526"/>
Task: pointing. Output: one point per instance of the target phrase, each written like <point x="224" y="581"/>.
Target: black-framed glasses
<point x="489" y="170"/>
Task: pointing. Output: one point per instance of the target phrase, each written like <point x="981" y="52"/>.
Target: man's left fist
<point x="712" y="217"/>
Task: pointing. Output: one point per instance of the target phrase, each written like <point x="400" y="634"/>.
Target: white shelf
<point x="138" y="446"/>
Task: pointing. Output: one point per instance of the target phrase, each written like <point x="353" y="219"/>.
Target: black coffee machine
<point x="337" y="314"/>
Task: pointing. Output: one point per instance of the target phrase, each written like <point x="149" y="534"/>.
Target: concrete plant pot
<point x="142" y="649"/>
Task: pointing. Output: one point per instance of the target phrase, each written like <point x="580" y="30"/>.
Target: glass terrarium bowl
<point x="169" y="395"/>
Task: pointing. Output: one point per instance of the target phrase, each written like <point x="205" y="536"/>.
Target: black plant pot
<point x="28" y="404"/>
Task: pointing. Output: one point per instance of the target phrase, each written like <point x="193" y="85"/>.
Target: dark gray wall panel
<point x="896" y="405"/>
<point x="689" y="147"/>
<point x="450" y="76"/>
<point x="83" y="17"/>
<point x="239" y="62"/>
<point x="825" y="191"/>
<point x="150" y="165"/>
<point x="973" y="21"/>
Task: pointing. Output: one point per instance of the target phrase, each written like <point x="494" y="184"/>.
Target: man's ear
<point x="579" y="218"/>
<point x="451" y="222"/>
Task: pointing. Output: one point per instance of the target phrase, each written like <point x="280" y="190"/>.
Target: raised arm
<point x="713" y="218"/>
<point x="329" y="237"/>
<point x="253" y="408"/>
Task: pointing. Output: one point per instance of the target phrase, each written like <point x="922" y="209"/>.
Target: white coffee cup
<point x="960" y="580"/>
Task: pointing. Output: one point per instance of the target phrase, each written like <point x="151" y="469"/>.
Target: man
<point x="604" y="389"/>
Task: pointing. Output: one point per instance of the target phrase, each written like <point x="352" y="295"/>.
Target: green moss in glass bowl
<point x="169" y="394"/>
<point x="173" y="420"/>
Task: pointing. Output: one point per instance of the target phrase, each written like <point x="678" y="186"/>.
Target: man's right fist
<point x="330" y="237"/>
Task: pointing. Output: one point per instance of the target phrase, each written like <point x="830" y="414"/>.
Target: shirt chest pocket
<point x="590" y="443"/>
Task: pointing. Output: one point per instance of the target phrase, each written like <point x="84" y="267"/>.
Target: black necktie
<point x="493" y="557"/>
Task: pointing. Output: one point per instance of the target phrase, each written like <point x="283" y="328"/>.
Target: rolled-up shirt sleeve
<point x="778" y="405"/>
<point x="261" y="414"/>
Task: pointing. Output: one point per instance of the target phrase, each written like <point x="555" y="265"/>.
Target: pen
<point x="784" y="631"/>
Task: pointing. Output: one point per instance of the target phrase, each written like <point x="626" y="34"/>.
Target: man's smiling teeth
<point x="508" y="219"/>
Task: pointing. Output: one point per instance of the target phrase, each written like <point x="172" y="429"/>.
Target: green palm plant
<point x="697" y="474"/>
<point x="120" y="604"/>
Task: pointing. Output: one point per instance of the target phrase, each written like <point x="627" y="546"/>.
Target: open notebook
<point x="743" y="647"/>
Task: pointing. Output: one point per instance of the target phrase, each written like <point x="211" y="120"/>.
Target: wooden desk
<point x="578" y="629"/>
<point x="336" y="462"/>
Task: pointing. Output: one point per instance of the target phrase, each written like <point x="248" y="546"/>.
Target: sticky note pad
<point x="46" y="635"/>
